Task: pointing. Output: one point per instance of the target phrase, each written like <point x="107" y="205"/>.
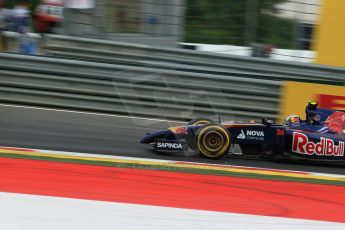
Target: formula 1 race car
<point x="320" y="136"/>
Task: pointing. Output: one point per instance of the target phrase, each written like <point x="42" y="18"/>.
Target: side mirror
<point x="267" y="122"/>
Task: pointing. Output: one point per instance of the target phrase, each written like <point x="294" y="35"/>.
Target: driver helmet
<point x="292" y="120"/>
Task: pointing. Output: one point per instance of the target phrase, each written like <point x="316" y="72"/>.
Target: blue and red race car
<point x="320" y="136"/>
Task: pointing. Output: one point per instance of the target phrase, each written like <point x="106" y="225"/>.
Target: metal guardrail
<point x="190" y="61"/>
<point x="139" y="91"/>
<point x="13" y="40"/>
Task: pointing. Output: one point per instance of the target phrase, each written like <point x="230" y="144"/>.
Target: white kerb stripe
<point x="18" y="212"/>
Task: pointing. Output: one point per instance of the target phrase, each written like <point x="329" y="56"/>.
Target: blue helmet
<point x="292" y="120"/>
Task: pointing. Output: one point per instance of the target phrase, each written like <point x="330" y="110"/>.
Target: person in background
<point x="26" y="45"/>
<point x="3" y="23"/>
<point x="22" y="25"/>
<point x="21" y="16"/>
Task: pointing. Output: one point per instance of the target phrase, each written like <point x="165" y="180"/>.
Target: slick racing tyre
<point x="213" y="141"/>
<point x="197" y="121"/>
<point x="200" y="121"/>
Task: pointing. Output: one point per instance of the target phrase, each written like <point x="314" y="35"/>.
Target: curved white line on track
<point x="89" y="113"/>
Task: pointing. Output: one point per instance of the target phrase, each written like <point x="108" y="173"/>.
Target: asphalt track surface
<point x="107" y="134"/>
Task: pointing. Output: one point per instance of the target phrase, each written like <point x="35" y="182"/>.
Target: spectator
<point x="3" y="24"/>
<point x="26" y="44"/>
<point x="261" y="50"/>
<point x="21" y="19"/>
<point x="21" y="16"/>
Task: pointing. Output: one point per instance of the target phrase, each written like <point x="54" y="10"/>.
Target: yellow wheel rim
<point x="213" y="143"/>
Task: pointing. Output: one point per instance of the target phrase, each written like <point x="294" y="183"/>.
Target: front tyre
<point x="200" y="121"/>
<point x="213" y="141"/>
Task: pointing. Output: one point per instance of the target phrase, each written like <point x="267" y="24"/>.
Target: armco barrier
<point x="190" y="61"/>
<point x="139" y="91"/>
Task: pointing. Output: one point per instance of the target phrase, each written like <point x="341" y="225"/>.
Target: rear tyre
<point x="213" y="141"/>
<point x="200" y="121"/>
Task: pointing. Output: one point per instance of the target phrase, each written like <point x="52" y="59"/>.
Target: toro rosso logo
<point x="326" y="147"/>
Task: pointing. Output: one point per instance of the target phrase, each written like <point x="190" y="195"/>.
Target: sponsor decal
<point x="168" y="145"/>
<point x="326" y="146"/>
<point x="331" y="101"/>
<point x="251" y="135"/>
<point x="280" y="132"/>
<point x="336" y="123"/>
<point x="241" y="135"/>
<point x="179" y="130"/>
